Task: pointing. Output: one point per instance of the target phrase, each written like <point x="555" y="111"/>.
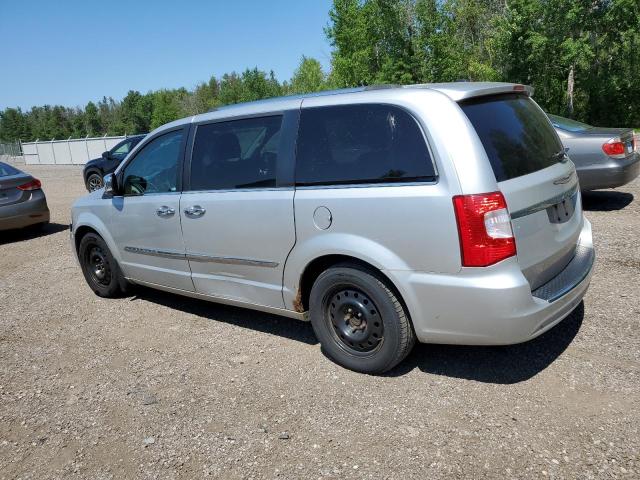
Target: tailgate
<point x="537" y="179"/>
<point x="546" y="215"/>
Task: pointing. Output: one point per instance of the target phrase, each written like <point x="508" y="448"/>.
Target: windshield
<point x="7" y="170"/>
<point x="517" y="136"/>
<point x="568" y="124"/>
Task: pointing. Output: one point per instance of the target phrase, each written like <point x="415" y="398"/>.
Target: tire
<point x="100" y="269"/>
<point x="94" y="181"/>
<point x="360" y="322"/>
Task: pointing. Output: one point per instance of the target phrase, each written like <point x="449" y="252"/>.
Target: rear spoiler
<point x="458" y="91"/>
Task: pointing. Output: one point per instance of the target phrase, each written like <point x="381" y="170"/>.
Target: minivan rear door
<point x="537" y="179"/>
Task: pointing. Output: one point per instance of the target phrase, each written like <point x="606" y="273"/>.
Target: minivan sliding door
<point x="237" y="213"/>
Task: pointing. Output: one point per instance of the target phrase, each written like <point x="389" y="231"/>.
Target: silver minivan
<point x="442" y="213"/>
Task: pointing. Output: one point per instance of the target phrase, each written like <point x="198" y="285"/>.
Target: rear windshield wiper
<point x="561" y="155"/>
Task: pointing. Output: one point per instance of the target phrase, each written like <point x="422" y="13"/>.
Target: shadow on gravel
<point x="501" y="365"/>
<point x="29" y="233"/>
<point x="605" y="201"/>
<point x="241" y="317"/>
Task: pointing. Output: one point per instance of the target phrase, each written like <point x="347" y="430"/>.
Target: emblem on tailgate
<point x="562" y="180"/>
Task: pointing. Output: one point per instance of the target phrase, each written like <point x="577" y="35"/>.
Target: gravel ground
<point x="160" y="386"/>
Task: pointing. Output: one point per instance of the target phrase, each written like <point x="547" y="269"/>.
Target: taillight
<point x="32" y="185"/>
<point x="484" y="228"/>
<point x="614" y="148"/>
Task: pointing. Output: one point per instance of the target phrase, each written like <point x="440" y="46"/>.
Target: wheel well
<point x="320" y="264"/>
<point x="80" y="233"/>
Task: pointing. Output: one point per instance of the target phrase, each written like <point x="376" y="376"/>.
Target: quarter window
<point x="361" y="144"/>
<point x="155" y="168"/>
<point x="236" y="154"/>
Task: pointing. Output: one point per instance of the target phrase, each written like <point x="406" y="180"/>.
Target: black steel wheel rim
<point x="354" y="320"/>
<point x="95" y="182"/>
<point x="98" y="266"/>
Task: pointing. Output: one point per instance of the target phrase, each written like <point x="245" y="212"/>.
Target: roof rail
<point x="381" y="86"/>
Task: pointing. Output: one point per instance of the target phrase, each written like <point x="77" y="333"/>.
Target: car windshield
<point x="568" y="124"/>
<point x="7" y="170"/>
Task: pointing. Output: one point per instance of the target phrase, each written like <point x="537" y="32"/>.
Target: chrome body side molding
<point x="196" y="257"/>
<point x="154" y="253"/>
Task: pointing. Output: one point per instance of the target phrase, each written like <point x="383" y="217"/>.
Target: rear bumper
<point x="24" y="214"/>
<point x="610" y="174"/>
<point x="494" y="305"/>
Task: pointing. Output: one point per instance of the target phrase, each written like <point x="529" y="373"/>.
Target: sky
<point x="70" y="52"/>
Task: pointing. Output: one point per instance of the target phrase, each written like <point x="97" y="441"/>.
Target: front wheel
<point x="94" y="181"/>
<point x="100" y="269"/>
<point x="359" y="321"/>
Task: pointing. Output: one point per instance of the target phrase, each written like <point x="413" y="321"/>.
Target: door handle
<point x="165" y="211"/>
<point x="195" y="211"/>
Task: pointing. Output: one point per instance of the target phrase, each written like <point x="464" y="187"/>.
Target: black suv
<point x="95" y="170"/>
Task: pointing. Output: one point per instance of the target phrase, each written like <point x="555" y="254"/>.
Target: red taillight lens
<point x="613" y="147"/>
<point x="32" y="185"/>
<point x="484" y="228"/>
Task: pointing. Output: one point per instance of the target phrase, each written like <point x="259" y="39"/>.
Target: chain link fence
<point x="11" y="149"/>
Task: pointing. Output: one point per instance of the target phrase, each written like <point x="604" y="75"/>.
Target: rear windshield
<point x="515" y="133"/>
<point x="568" y="124"/>
<point x="7" y="170"/>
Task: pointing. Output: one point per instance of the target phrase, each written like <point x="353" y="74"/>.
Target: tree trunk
<point x="570" y="85"/>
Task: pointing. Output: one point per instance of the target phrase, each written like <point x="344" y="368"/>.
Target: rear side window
<point x="236" y="154"/>
<point x="515" y="133"/>
<point x="361" y="144"/>
<point x="568" y="124"/>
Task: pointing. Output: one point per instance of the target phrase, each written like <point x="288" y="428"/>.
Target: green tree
<point x="14" y="125"/>
<point x="92" y="124"/>
<point x="231" y="90"/>
<point x="78" y="123"/>
<point x="205" y="96"/>
<point x="135" y="112"/>
<point x="375" y="41"/>
<point x="308" y="77"/>
<point x="108" y="112"/>
<point x="167" y="106"/>
<point x="255" y="85"/>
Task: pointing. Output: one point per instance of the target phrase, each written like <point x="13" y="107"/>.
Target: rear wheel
<point x="359" y="321"/>
<point x="100" y="269"/>
<point x="94" y="181"/>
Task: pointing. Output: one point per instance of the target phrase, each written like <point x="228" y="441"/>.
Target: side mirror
<point x="106" y="155"/>
<point x="110" y="185"/>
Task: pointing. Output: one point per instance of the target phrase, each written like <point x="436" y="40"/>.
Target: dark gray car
<point x="22" y="201"/>
<point x="604" y="157"/>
